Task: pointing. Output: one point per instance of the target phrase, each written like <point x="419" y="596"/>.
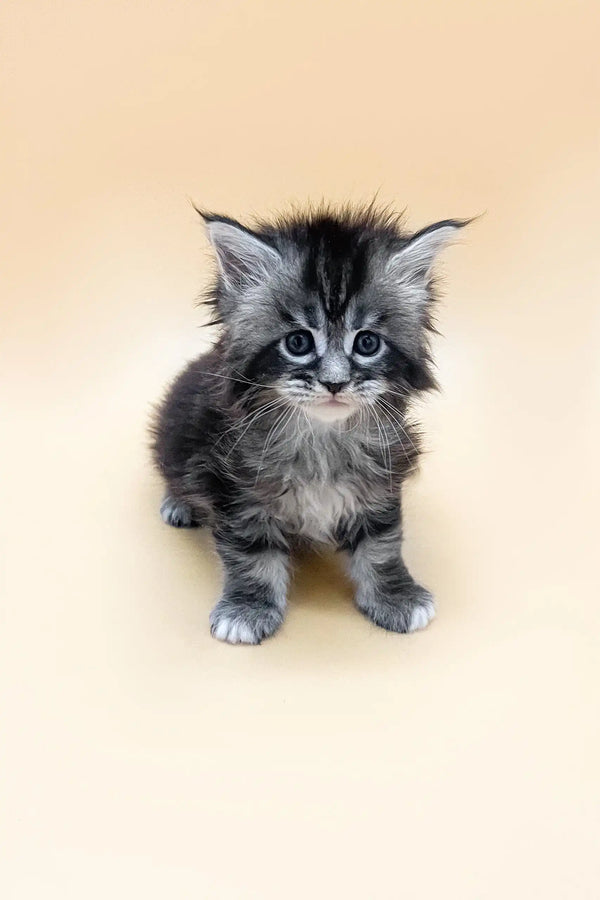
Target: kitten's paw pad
<point x="177" y="513"/>
<point x="411" y="611"/>
<point x="241" y="623"/>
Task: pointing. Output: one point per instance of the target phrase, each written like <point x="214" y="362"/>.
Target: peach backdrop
<point x="144" y="759"/>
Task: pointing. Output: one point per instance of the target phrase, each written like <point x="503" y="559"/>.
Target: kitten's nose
<point x="334" y="387"/>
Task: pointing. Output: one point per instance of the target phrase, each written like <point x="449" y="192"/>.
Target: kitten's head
<point x="329" y="310"/>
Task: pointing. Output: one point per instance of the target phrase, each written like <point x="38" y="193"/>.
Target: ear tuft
<point x="244" y="258"/>
<point x="415" y="260"/>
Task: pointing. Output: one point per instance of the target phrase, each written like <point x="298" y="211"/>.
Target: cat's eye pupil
<point x="367" y="343"/>
<point x="299" y="342"/>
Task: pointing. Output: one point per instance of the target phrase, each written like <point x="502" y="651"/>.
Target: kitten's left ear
<point x="413" y="263"/>
<point x="244" y="258"/>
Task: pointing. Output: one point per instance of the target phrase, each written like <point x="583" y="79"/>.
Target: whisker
<point x="286" y="423"/>
<point x="261" y="412"/>
<point x="395" y="416"/>
<point x="240" y="422"/>
<point x="312" y="430"/>
<point x="404" y="394"/>
<point x="267" y="442"/>
<point x="400" y="441"/>
<point x="241" y="380"/>
<point x="385" y="450"/>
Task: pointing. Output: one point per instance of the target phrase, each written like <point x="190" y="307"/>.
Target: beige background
<point x="142" y="758"/>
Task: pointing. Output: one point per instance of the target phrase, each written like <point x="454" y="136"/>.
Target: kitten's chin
<point x="330" y="410"/>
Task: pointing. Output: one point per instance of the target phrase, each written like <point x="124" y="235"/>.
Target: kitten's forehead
<point x="353" y="317"/>
<point x="335" y="265"/>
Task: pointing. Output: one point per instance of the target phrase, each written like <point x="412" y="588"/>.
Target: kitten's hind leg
<point x="178" y="513"/>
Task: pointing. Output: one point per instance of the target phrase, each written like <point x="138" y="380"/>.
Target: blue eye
<point x="299" y="343"/>
<point x="367" y="343"/>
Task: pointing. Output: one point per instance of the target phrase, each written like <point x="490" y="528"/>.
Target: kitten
<point x="292" y="430"/>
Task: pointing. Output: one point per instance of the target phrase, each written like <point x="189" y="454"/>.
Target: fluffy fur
<point x="293" y="428"/>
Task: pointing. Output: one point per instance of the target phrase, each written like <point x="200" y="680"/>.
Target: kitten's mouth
<point x="331" y="409"/>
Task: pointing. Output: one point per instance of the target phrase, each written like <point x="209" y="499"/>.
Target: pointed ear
<point x="413" y="263"/>
<point x="244" y="258"/>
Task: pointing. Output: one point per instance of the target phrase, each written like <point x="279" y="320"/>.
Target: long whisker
<point x="400" y="441"/>
<point x="312" y="430"/>
<point x="285" y="424"/>
<point x="267" y="442"/>
<point x="240" y="422"/>
<point x="262" y="412"/>
<point x="357" y="426"/>
<point x="403" y="394"/>
<point x="241" y="380"/>
<point x="396" y="418"/>
<point x="395" y="432"/>
<point x="384" y="447"/>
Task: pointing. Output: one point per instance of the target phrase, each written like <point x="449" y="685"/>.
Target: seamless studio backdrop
<point x="142" y="758"/>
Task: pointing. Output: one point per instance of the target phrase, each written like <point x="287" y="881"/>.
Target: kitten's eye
<point x="367" y="343"/>
<point x="299" y="343"/>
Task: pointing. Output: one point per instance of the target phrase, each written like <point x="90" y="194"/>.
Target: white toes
<point x="231" y="630"/>
<point x="422" y="615"/>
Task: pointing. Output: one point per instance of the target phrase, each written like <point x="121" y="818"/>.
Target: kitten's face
<point x="330" y="313"/>
<point x="333" y="369"/>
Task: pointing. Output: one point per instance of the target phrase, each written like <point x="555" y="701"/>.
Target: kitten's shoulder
<point x="203" y="374"/>
<point x="190" y="414"/>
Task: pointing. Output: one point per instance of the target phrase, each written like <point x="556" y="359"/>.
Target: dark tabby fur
<point x="293" y="428"/>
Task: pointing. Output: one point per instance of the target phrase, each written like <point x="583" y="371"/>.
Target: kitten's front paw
<point x="177" y="513"/>
<point x="244" y="622"/>
<point x="410" y="610"/>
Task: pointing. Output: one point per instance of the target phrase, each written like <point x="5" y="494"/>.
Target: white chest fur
<point x="315" y="510"/>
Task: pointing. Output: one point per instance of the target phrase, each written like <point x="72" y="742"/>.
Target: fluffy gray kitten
<point x="292" y="430"/>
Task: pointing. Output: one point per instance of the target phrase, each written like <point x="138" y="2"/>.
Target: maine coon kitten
<point x="293" y="428"/>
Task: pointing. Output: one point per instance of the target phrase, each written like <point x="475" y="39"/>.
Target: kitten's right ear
<point x="245" y="259"/>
